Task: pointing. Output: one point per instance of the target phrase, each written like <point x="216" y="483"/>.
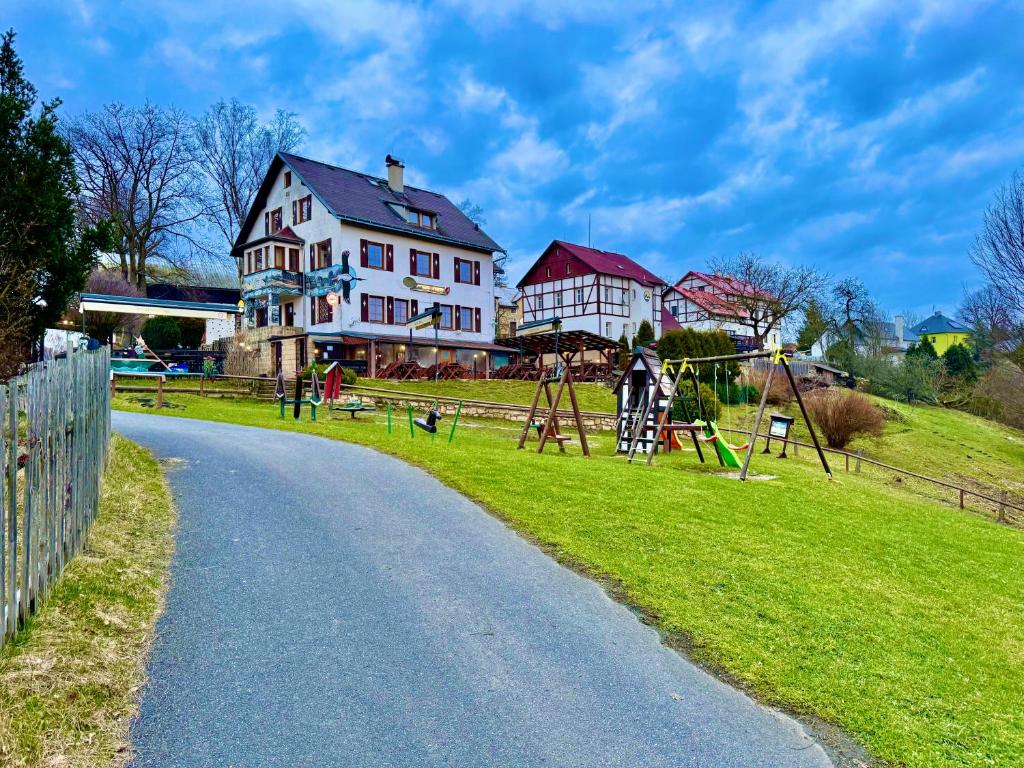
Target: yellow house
<point x="942" y="332"/>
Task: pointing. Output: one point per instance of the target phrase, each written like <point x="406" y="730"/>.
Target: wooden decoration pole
<point x="553" y="413"/>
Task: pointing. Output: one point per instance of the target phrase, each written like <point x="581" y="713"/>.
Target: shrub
<point x="960" y="363"/>
<point x="161" y="333"/>
<point x="321" y="369"/>
<point x="348" y="376"/>
<point x="688" y="342"/>
<point x="842" y="415"/>
<point x="780" y="392"/>
<point x="644" y="334"/>
<point x="708" y="400"/>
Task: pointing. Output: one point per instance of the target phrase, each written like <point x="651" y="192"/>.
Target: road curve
<point x="331" y="606"/>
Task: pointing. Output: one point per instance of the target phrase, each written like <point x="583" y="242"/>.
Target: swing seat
<point x="714" y="439"/>
<point x="560" y="439"/>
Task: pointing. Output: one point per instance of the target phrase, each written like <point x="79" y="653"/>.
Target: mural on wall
<point x="336" y="279"/>
<point x="274" y="282"/>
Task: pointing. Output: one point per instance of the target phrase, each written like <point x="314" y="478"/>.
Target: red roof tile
<point x="609" y="263"/>
<point x="716" y="305"/>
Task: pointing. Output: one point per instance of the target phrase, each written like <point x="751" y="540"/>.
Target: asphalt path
<point x="332" y="606"/>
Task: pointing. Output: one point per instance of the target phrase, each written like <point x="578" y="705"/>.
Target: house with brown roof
<point x="591" y="290"/>
<point x="336" y="261"/>
<point x="708" y="302"/>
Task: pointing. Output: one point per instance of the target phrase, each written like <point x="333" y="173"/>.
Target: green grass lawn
<point x="898" y="619"/>
<point x="591" y="397"/>
<point x="69" y="683"/>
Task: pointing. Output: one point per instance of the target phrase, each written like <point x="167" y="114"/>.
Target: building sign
<point x="333" y="299"/>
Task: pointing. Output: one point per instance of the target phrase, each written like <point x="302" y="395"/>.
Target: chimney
<point x="897" y="322"/>
<point x="396" y="174"/>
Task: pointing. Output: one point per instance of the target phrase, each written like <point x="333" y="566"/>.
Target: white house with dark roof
<point x="591" y="290"/>
<point x="708" y="302"/>
<point x="327" y="254"/>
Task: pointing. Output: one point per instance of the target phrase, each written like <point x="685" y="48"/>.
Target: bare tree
<point x="991" y="316"/>
<point x="476" y="214"/>
<point x="998" y="250"/>
<point x="767" y="291"/>
<point x="110" y="282"/>
<point x="852" y="305"/>
<point x="137" y="168"/>
<point x="234" y="150"/>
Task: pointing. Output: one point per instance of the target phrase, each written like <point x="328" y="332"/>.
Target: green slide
<point x="729" y="457"/>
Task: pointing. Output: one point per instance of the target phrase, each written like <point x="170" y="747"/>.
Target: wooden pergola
<point x="565" y="346"/>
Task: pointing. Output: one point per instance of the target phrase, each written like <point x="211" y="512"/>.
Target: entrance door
<point x="289" y="313"/>
<point x="277" y="356"/>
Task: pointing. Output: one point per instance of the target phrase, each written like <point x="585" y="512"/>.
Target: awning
<point x="567" y="342"/>
<point x="136" y="305"/>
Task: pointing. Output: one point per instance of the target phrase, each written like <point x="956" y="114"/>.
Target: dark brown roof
<point x="367" y="200"/>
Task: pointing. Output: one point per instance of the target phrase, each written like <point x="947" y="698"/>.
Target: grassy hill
<point x="855" y="601"/>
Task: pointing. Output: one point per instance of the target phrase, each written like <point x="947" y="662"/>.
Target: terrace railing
<point x="54" y="445"/>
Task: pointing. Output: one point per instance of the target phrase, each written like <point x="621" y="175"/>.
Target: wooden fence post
<point x="961" y="498"/>
<point x="1002" y="507"/>
<point x="860" y="453"/>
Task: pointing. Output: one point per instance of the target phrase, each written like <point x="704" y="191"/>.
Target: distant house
<point x="591" y="290"/>
<point x="882" y="337"/>
<point x="707" y="302"/>
<point x="943" y="332"/>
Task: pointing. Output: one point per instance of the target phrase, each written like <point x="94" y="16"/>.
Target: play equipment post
<point x="389" y="417"/>
<point x="412" y="430"/>
<point x="451" y="434"/>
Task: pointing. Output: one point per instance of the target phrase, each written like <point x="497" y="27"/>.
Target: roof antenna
<point x="588" y="232"/>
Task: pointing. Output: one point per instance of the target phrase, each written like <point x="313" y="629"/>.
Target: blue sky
<point x="863" y="137"/>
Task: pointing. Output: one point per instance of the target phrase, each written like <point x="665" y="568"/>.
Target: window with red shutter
<point x="362" y="252"/>
<point x="295" y="212"/>
<point x="437" y="266"/>
<point x="266" y="223"/>
<point x="389" y="257"/>
<point x="391" y="311"/>
<point x="476" y="313"/>
<point x="476" y="274"/>
<point x="458" y="318"/>
<point x="363" y="308"/>
<point x="415" y="308"/>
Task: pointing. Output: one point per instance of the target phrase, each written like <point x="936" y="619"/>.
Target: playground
<point x="763" y="581"/>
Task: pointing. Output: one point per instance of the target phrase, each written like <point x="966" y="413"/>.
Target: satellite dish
<point x="409" y="282"/>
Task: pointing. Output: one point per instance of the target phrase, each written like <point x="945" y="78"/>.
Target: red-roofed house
<point x="591" y="290"/>
<point x="708" y="302"/>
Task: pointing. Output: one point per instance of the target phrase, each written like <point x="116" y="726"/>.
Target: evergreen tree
<point x="814" y="326"/>
<point x="644" y="335"/>
<point x="44" y="256"/>
<point x="960" y="363"/>
<point x="923" y="348"/>
<point x="625" y="352"/>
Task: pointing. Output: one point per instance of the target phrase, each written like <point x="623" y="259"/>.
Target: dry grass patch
<point x="69" y="684"/>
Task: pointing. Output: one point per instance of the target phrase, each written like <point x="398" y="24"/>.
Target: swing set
<point x="678" y="370"/>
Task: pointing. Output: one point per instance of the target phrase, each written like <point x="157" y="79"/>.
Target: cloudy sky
<point x="864" y="137"/>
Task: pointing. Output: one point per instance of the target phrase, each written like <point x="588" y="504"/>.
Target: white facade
<point x="288" y="302"/>
<point x="607" y="305"/>
<point x="711" y="314"/>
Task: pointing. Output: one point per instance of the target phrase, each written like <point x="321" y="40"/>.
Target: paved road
<point x="331" y="606"/>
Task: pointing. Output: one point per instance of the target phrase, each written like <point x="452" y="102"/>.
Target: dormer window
<point x="420" y="218"/>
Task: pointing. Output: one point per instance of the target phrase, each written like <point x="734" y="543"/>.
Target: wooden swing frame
<point x="685" y="366"/>
<point x="567" y="347"/>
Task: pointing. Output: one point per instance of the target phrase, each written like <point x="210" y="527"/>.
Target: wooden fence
<point x="54" y="441"/>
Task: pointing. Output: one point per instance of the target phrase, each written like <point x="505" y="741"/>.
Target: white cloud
<point x="550" y="14"/>
<point x="531" y="160"/>
<point x="630" y="86"/>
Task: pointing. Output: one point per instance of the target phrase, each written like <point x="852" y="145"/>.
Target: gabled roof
<point x="709" y="302"/>
<point x="725" y="284"/>
<point x="939" y="323"/>
<point x="602" y="262"/>
<point x="651" y="362"/>
<point x="668" y="321"/>
<point x="365" y="200"/>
